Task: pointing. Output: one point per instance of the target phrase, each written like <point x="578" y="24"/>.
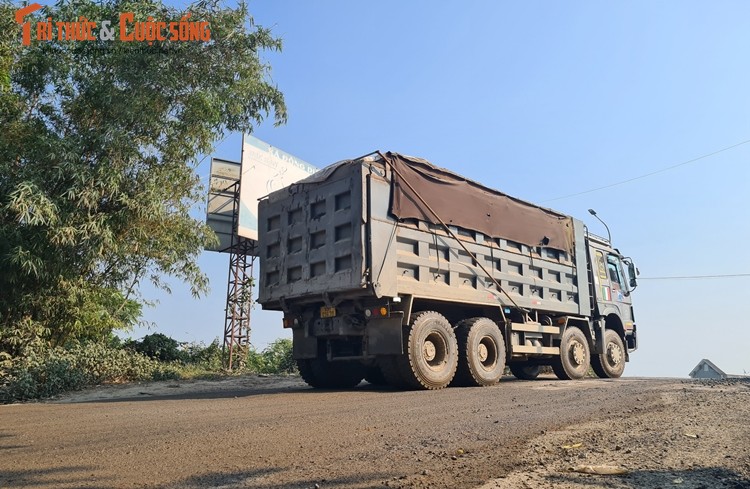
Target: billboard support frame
<point x="242" y="253"/>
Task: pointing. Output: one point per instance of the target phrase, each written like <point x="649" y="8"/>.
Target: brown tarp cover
<point x="463" y="203"/>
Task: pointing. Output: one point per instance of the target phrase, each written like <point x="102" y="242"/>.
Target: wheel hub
<point x="614" y="354"/>
<point x="578" y="353"/>
<point x="429" y="351"/>
<point x="482" y="352"/>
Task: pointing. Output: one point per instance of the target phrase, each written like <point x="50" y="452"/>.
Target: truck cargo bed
<point x="336" y="235"/>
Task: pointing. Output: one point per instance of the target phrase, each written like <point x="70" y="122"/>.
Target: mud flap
<point x="303" y="346"/>
<point x="385" y="335"/>
<point x="599" y="327"/>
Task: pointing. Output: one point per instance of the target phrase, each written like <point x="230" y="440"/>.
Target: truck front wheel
<point x="431" y="352"/>
<point x="575" y="355"/>
<point x="322" y="374"/>
<point x="481" y="353"/>
<point x="611" y="363"/>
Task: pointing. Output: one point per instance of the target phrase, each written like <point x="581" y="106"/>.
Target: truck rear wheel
<point x="575" y="356"/>
<point x="524" y="371"/>
<point x="611" y="363"/>
<point x="391" y="369"/>
<point x="322" y="374"/>
<point x="431" y="352"/>
<point x="375" y="376"/>
<point x="481" y="353"/>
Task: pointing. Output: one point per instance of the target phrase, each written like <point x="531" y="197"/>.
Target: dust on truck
<point x="393" y="270"/>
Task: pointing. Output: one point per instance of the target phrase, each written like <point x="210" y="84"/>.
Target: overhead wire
<point x="655" y="172"/>
<point x="662" y="170"/>
<point x="697" y="277"/>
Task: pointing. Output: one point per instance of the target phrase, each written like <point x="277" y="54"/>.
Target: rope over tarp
<point x="463" y="203"/>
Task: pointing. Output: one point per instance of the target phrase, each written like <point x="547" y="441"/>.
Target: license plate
<point x="327" y="312"/>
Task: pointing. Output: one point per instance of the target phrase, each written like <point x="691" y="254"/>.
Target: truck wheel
<point x="391" y="369"/>
<point x="481" y="353"/>
<point x="575" y="356"/>
<point x="431" y="352"/>
<point x="322" y="374"/>
<point x="307" y="374"/>
<point x="375" y="376"/>
<point x="525" y="371"/>
<point x="611" y="363"/>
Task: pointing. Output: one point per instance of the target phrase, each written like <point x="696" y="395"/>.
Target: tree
<point x="98" y="147"/>
<point x="158" y="346"/>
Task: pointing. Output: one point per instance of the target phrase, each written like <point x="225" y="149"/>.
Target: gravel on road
<point x="274" y="432"/>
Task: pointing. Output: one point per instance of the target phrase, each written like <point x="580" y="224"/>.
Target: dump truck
<point x="390" y="269"/>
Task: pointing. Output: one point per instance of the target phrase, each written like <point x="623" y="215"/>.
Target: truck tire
<point x="391" y="370"/>
<point x="322" y="374"/>
<point x="611" y="363"/>
<point x="524" y="371"/>
<point x="375" y="376"/>
<point x="481" y="353"/>
<point x="431" y="352"/>
<point x="575" y="356"/>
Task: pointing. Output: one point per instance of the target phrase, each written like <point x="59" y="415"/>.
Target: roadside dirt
<point x="698" y="436"/>
<point x="274" y="432"/>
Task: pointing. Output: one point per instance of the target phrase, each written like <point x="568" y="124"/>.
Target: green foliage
<point x="44" y="372"/>
<point x="275" y="359"/>
<point x="97" y="154"/>
<point x="209" y="358"/>
<point x="158" y="346"/>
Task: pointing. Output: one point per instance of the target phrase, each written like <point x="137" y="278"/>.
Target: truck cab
<point x="613" y="279"/>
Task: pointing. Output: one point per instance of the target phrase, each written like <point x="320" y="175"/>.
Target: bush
<point x="42" y="371"/>
<point x="208" y="357"/>
<point x="45" y="372"/>
<point x="158" y="347"/>
<point x="275" y="359"/>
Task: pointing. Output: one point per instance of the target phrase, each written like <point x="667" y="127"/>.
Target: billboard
<point x="220" y="208"/>
<point x="265" y="169"/>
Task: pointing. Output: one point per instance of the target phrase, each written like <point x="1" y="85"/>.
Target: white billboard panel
<point x="265" y="169"/>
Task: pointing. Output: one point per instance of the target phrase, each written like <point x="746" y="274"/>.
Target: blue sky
<point x="539" y="100"/>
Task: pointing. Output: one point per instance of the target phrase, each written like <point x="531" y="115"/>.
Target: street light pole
<point x="609" y="235"/>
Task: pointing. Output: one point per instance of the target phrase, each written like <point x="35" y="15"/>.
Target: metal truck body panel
<point x="312" y="239"/>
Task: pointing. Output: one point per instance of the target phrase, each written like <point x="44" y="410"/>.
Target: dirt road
<point x="276" y="433"/>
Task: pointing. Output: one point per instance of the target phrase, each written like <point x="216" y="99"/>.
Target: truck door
<point x="612" y="287"/>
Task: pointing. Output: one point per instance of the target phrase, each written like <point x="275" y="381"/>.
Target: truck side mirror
<point x="632" y="272"/>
